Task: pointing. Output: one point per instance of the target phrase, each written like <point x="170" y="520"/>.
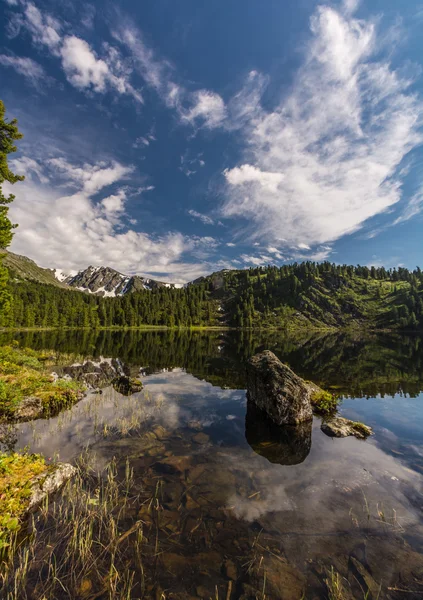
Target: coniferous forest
<point x="305" y="295"/>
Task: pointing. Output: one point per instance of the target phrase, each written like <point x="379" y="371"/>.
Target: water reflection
<point x="239" y="495"/>
<point x="289" y="445"/>
<point x="357" y="365"/>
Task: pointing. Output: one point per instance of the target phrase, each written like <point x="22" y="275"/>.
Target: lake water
<point x="232" y="507"/>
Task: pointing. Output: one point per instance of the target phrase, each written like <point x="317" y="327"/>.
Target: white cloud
<point x="25" y="165"/>
<point x="258" y="261"/>
<point x="45" y="30"/>
<point x="250" y="174"/>
<point x="231" y="245"/>
<point x="85" y="71"/>
<point x="64" y="224"/>
<point x="81" y="66"/>
<point x="114" y="203"/>
<point x="207" y="108"/>
<point x="24" y="66"/>
<point x="203" y="218"/>
<point x="321" y="253"/>
<point x="90" y="178"/>
<point x="413" y="208"/>
<point x="325" y="159"/>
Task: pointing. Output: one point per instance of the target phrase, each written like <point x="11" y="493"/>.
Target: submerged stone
<point x="277" y="390"/>
<point x="127" y="385"/>
<point x="200" y="438"/>
<point x="340" y="427"/>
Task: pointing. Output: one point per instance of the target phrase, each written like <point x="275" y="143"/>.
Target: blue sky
<point x="172" y="139"/>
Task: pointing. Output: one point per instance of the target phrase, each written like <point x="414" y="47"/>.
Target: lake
<point x="227" y="505"/>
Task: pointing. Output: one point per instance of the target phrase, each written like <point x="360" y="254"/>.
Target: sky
<point x="174" y="139"/>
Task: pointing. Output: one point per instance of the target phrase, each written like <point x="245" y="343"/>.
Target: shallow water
<point x="244" y="509"/>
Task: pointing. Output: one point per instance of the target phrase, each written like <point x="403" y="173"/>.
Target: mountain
<point x="104" y="281"/>
<point x="23" y="268"/>
<point x="101" y="281"/>
<point x="319" y="295"/>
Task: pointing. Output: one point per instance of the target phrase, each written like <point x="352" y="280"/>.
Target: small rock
<point x="44" y="485"/>
<point x="173" y="464"/>
<point x="160" y="432"/>
<point x="340" y="427"/>
<point x="127" y="385"/>
<point x="200" y="438"/>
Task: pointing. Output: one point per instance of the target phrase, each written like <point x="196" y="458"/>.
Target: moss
<point x="16" y="474"/>
<point x="324" y="403"/>
<point x="362" y="429"/>
<point x="24" y="373"/>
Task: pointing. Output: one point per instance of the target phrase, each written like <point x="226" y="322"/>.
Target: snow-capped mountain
<point x="104" y="281"/>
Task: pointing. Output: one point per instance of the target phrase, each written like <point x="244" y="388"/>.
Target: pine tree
<point x="8" y="134"/>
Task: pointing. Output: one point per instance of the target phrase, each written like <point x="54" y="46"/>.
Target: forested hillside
<point x="307" y="295"/>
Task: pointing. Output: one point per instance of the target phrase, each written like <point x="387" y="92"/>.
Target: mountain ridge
<point x="100" y="280"/>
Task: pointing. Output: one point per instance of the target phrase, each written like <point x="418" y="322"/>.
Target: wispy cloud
<point x="27" y="67"/>
<point x="83" y="68"/>
<point x="200" y="108"/>
<point x="189" y="165"/>
<point x="325" y="159"/>
<point x="413" y="208"/>
<point x="205" y="219"/>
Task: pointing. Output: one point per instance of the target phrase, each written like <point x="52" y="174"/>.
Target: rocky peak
<point x="105" y="281"/>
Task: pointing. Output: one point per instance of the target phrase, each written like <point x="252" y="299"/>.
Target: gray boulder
<point x="277" y="390"/>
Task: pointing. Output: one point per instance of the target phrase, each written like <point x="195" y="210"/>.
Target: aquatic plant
<point x="78" y="542"/>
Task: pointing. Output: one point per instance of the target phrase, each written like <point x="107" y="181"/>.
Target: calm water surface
<point x="240" y="501"/>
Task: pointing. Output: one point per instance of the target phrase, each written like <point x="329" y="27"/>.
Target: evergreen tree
<point x="9" y="133"/>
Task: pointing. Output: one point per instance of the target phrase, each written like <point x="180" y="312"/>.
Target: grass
<point x="16" y="474"/>
<point x="24" y="373"/>
<point x="81" y="544"/>
<point x="335" y="586"/>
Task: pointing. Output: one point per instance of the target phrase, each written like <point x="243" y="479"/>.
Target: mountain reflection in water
<point x="237" y="498"/>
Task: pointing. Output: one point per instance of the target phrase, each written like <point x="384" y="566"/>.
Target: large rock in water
<point x="274" y="388"/>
